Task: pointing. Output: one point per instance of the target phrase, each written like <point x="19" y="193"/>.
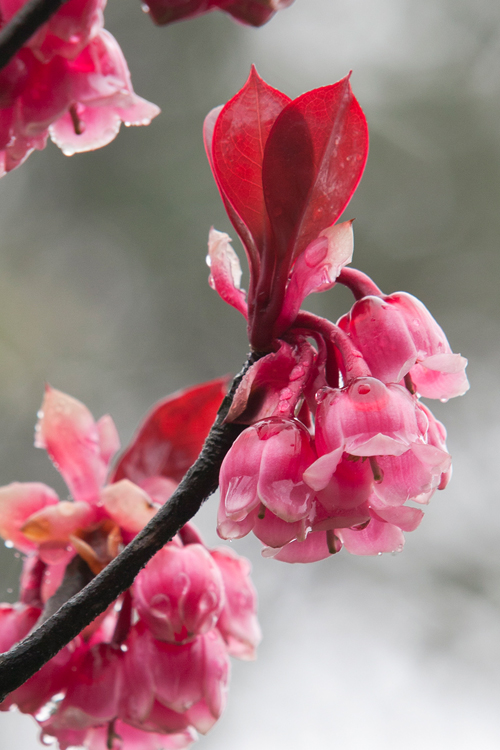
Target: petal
<point x="314" y="548"/>
<point x="239" y="475"/>
<point x="380" y="333"/>
<point x="286" y="454"/>
<point x="109" y="441"/>
<point x="58" y="522"/>
<point x="225" y="271"/>
<point x="68" y="432"/>
<point x="441" y="377"/>
<point x="317" y="268"/>
<point x="375" y="538"/>
<point x="405" y="517"/>
<point x="128" y="505"/>
<point x="238" y="622"/>
<point x="18" y="501"/>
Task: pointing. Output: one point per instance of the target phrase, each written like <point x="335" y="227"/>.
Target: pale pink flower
<point x="80" y="102"/>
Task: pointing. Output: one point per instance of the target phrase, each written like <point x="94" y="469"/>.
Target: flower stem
<point x="359" y="283"/>
<point x="355" y="365"/>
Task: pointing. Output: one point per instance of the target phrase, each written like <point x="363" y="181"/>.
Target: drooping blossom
<point x="153" y="670"/>
<point x="71" y="81"/>
<point x="251" y="12"/>
<point x="398" y="336"/>
<point x="338" y="442"/>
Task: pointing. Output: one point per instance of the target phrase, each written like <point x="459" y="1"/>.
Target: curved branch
<point x="24" y="24"/>
<point x="30" y="654"/>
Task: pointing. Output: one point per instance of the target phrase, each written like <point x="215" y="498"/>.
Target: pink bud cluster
<point x="153" y="670"/>
<point x="340" y="450"/>
<point x="70" y="81"/>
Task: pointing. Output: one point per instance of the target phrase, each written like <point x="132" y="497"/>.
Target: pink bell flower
<point x="265" y="466"/>
<point x="180" y="593"/>
<point x="398" y="336"/>
<point x="365" y="418"/>
<point x="80" y="102"/>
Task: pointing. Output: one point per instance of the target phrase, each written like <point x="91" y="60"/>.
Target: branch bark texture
<point x="24" y="24"/>
<point x="30" y="654"/>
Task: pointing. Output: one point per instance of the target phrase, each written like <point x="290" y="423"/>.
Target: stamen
<point x="78" y="125"/>
<point x="378" y="474"/>
<point x="410" y="384"/>
<point x="333" y="542"/>
<point x="262" y="511"/>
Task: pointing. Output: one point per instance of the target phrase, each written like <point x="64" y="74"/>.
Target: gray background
<point x="103" y="294"/>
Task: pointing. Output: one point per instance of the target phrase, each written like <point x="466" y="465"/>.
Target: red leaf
<point x="314" y="158"/>
<point x="239" y="138"/>
<point x="246" y="238"/>
<point x="172" y="434"/>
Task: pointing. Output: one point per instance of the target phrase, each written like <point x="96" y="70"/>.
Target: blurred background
<point x="103" y="293"/>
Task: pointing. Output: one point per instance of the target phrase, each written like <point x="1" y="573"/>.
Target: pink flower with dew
<point x="367" y="419"/>
<point x="180" y="593"/>
<point x="264" y="467"/>
<point x="81" y="103"/>
<point x="398" y="336"/>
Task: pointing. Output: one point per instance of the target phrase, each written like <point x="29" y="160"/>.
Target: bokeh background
<point x="103" y="294"/>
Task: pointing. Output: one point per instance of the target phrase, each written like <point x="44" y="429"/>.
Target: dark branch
<point x="24" y="24"/>
<point x="29" y="655"/>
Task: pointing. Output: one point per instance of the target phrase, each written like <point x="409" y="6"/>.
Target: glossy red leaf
<point x="314" y="158"/>
<point x="239" y="139"/>
<point x="172" y="434"/>
<point x="236" y="221"/>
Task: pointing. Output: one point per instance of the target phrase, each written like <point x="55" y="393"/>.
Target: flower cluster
<point x="339" y="449"/>
<point x="251" y="12"/>
<point x="70" y="81"/>
<point x="153" y="669"/>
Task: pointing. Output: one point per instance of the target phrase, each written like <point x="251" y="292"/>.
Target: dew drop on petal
<point x="9" y="544"/>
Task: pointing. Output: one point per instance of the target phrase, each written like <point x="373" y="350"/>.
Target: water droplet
<point x="40" y="414"/>
<point x="9" y="544"/>
<point x="17" y="554"/>
<point x="9" y="591"/>
<point x="123" y="648"/>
